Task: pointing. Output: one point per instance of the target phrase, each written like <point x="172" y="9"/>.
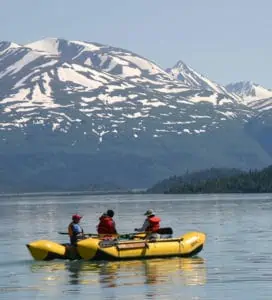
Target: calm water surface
<point x="235" y="263"/>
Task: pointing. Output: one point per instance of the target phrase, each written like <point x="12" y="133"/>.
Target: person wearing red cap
<point x="75" y="230"/>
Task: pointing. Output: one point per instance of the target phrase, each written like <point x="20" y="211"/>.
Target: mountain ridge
<point x="108" y="106"/>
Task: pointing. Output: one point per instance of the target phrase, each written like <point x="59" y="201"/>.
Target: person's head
<point x="110" y="213"/>
<point x="149" y="213"/>
<point x="76" y="218"/>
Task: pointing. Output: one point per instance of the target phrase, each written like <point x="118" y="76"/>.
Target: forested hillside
<point x="218" y="181"/>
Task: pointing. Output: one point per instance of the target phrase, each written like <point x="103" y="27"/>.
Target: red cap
<point x="76" y="217"/>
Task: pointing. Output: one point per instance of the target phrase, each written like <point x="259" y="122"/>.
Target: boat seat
<point x="165" y="233"/>
<point x="165" y="230"/>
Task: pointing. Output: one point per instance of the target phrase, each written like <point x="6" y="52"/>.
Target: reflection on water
<point x="185" y="271"/>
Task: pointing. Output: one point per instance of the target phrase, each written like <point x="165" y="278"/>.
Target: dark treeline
<point x="217" y="181"/>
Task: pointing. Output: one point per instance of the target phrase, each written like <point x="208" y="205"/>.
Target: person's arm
<point x="114" y="226"/>
<point x="145" y="225"/>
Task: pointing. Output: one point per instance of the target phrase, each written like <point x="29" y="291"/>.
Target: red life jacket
<point x="154" y="224"/>
<point x="106" y="225"/>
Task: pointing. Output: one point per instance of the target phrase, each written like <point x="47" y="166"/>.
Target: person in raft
<point x="151" y="225"/>
<point x="106" y="223"/>
<point x="75" y="230"/>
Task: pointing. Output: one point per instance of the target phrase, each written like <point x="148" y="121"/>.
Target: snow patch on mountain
<point x="143" y="64"/>
<point x="172" y="89"/>
<point x="20" y="95"/>
<point x="88" y="46"/>
<point x="212" y="99"/>
<point x="6" y="46"/>
<point x="39" y="96"/>
<point x="72" y="76"/>
<point x="49" y="45"/>
<point x="130" y="72"/>
<point x="108" y="99"/>
<point x="16" y="67"/>
<point x="262" y="104"/>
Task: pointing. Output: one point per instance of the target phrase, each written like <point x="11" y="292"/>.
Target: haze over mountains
<point x="75" y="113"/>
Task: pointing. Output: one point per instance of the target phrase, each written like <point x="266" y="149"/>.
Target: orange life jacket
<point x="154" y="224"/>
<point x="73" y="235"/>
<point x="70" y="229"/>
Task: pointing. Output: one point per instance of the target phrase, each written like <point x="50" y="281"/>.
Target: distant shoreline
<point x="70" y="193"/>
<point x="90" y="193"/>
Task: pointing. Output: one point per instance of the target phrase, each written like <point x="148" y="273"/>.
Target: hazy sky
<point x="226" y="40"/>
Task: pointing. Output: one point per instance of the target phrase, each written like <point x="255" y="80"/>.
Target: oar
<point x="165" y="230"/>
<point x="122" y="236"/>
<point x="66" y="233"/>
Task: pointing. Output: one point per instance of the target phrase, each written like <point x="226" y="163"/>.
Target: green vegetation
<point x="217" y="181"/>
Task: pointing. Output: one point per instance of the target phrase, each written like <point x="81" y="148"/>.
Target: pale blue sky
<point x="224" y="40"/>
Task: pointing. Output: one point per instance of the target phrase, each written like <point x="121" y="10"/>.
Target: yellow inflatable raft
<point x="97" y="248"/>
<point x="187" y="245"/>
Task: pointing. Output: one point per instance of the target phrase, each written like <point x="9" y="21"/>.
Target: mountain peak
<point x="50" y="45"/>
<point x="193" y="79"/>
<point x="180" y="64"/>
<point x="55" y="45"/>
<point x="249" y="90"/>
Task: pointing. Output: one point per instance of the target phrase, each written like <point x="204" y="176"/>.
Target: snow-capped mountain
<point x="253" y="95"/>
<point x="190" y="77"/>
<point x="131" y="120"/>
<point x="101" y="84"/>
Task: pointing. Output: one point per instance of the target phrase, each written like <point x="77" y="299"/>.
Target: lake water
<point x="234" y="264"/>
